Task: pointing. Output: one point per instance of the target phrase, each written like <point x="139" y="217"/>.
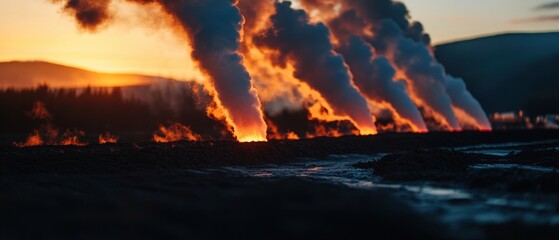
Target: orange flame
<point x="71" y="138"/>
<point x="321" y="131"/>
<point x="275" y="82"/>
<point x="280" y="82"/>
<point x="273" y="133"/>
<point x="174" y="133"/>
<point x="39" y="111"/>
<point x="400" y="124"/>
<point x="48" y="135"/>
<point x="34" y="139"/>
<point x="243" y="131"/>
<point x="107" y="138"/>
<point x="292" y="136"/>
<point x="469" y="122"/>
<point x="441" y="121"/>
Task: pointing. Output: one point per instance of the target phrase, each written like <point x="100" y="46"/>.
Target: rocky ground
<point x="147" y="191"/>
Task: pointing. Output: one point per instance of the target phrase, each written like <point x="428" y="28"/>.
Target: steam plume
<point x="309" y="48"/>
<point x="374" y="76"/>
<point x="367" y="47"/>
<point x="385" y="25"/>
<point x="425" y="77"/>
<point x="214" y="28"/>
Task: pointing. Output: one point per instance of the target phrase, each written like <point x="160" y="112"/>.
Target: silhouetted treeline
<point x="105" y="109"/>
<point x="139" y="111"/>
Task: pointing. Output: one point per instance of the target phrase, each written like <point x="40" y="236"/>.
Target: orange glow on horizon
<point x="134" y="42"/>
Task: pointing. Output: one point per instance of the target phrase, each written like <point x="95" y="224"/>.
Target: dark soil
<point x="168" y="191"/>
<point x="187" y="205"/>
<point x="546" y="157"/>
<point x="447" y="166"/>
<point x="432" y="164"/>
<point x="512" y="180"/>
<point x="115" y="158"/>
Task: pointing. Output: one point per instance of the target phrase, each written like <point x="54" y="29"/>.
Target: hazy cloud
<point x="538" y="19"/>
<point x="541" y="18"/>
<point x="546" y="6"/>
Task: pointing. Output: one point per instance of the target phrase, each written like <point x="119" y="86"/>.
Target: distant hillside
<point x="508" y="72"/>
<point x="32" y="74"/>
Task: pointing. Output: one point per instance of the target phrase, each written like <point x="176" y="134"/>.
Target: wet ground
<point x="473" y="211"/>
<point x="424" y="188"/>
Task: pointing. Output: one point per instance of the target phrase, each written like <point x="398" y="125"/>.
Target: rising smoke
<point x="386" y="26"/>
<point x="214" y="29"/>
<point x="374" y="76"/>
<point x="308" y="47"/>
<point x="357" y="55"/>
<point x="90" y="14"/>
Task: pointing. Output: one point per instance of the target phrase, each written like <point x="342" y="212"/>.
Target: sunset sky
<point x="37" y="30"/>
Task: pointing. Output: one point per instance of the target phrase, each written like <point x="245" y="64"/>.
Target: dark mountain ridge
<point x="508" y="72"/>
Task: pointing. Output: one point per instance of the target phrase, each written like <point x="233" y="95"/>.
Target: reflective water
<point x="511" y="166"/>
<point x="501" y="146"/>
<point x="502" y="149"/>
<point x="453" y="203"/>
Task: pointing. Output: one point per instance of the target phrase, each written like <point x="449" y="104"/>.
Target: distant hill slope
<point x="156" y="91"/>
<point x="508" y="72"/>
<point x="31" y="74"/>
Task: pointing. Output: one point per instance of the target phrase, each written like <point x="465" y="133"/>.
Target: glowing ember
<point x="71" y="138"/>
<point x="33" y="140"/>
<point x="107" y="138"/>
<point x="274" y="133"/>
<point x="469" y="122"/>
<point x="253" y="138"/>
<point x="292" y="136"/>
<point x="174" y="133"/>
<point x="321" y="131"/>
<point x="47" y="134"/>
<point x="39" y="111"/>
